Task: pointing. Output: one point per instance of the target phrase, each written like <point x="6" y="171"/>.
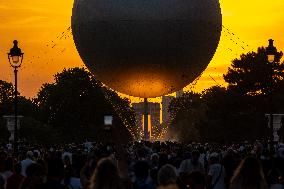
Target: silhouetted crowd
<point x="143" y="165"/>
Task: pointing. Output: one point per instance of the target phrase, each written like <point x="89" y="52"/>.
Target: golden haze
<point x="38" y="25"/>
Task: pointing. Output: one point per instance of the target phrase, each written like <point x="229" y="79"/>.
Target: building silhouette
<point x="154" y="114"/>
<point x="158" y="113"/>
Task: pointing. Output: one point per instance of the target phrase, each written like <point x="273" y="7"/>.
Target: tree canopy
<point x="72" y="108"/>
<point x="234" y="113"/>
<point x="252" y="74"/>
<point x="75" y="104"/>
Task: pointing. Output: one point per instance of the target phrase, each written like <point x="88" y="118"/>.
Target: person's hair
<point x="167" y="175"/>
<point x="195" y="153"/>
<point x="105" y="176"/>
<point x="141" y="169"/>
<point x="274" y="176"/>
<point x="214" y="157"/>
<point x="249" y="174"/>
<point x="9" y="164"/>
<point x="36" y="155"/>
<point x="30" y="154"/>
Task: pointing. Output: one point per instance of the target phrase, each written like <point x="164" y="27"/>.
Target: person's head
<point x="274" y="176"/>
<point x="29" y="155"/>
<point x="105" y="176"/>
<point x="163" y="159"/>
<point x="9" y="164"/>
<point x="36" y="154"/>
<point x="167" y="175"/>
<point x="67" y="160"/>
<point x="155" y="158"/>
<point x="195" y="155"/>
<point x="141" y="169"/>
<point x="249" y="172"/>
<point x="214" y="158"/>
<point x="3" y="155"/>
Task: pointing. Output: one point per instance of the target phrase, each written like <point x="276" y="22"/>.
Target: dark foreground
<point x="143" y="165"/>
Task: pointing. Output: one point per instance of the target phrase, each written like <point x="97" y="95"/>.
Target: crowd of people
<point x="143" y="165"/>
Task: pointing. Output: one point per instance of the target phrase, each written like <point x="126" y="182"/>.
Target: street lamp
<point x="271" y="52"/>
<point x="15" y="57"/>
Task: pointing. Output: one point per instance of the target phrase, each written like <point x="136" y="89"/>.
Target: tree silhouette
<point x="251" y="74"/>
<point x="75" y="105"/>
<point x="186" y="112"/>
<point x="26" y="107"/>
<point x="235" y="113"/>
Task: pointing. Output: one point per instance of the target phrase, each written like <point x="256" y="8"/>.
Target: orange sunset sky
<point x="38" y="25"/>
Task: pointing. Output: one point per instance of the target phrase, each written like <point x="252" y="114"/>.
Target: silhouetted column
<point x="146" y="126"/>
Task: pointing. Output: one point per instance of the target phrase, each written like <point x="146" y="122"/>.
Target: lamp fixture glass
<point x="271" y="51"/>
<point x="15" y="55"/>
<point x="270" y="58"/>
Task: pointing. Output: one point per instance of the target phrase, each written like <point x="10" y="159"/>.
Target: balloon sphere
<point x="146" y="48"/>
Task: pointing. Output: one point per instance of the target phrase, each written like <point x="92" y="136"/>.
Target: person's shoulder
<point x="214" y="167"/>
<point x="2" y="180"/>
<point x="276" y="186"/>
<point x="185" y="161"/>
<point x="27" y="161"/>
<point x="75" y="181"/>
<point x="217" y="165"/>
<point x="14" y="177"/>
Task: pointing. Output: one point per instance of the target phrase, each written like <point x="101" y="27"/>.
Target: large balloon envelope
<point x="146" y="48"/>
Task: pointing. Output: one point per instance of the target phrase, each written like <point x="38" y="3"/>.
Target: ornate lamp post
<point x="15" y="57"/>
<point x="271" y="52"/>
